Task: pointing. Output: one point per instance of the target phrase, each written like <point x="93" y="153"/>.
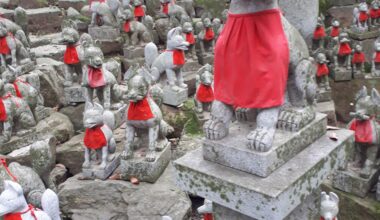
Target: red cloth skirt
<point x="319" y="33"/>
<point x="95" y="77"/>
<point x="3" y="112"/>
<point x="363" y="16"/>
<point x="252" y="61"/>
<point x="377" y="57"/>
<point x="363" y="131"/>
<point x="344" y="49"/>
<point x="334" y="32"/>
<point x="358" y="58"/>
<point x="190" y="38"/>
<point x="205" y="93"/>
<point x="4" y="48"/>
<point x="71" y="55"/>
<point x="322" y="70"/>
<point x="139" y="11"/>
<point x="139" y="111"/>
<point x="94" y="138"/>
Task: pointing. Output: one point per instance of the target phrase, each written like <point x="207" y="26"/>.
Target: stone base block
<point x="233" y="152"/>
<point x="37" y="20"/>
<point x="328" y="108"/>
<point x="358" y="74"/>
<point x="342" y="74"/>
<point x="189" y="72"/>
<point x="323" y="95"/>
<point x="132" y="52"/>
<point x="111" y="47"/>
<point x="50" y="51"/>
<point x="274" y="197"/>
<point x="146" y="171"/>
<point x="104" y="33"/>
<point x="174" y="98"/>
<point x="77" y="4"/>
<point x="363" y="35"/>
<point x="75" y="94"/>
<point x="94" y="172"/>
<point x="350" y="181"/>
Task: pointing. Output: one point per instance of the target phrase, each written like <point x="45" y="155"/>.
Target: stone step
<point x="233" y="152"/>
<point x="42" y="40"/>
<point x="76" y="4"/>
<point x="52" y="51"/>
<point x="328" y="108"/>
<point x="44" y="20"/>
<point x="274" y="197"/>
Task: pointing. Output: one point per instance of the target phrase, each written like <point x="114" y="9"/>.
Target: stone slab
<point x="41" y="40"/>
<point x="233" y="152"/>
<point x="96" y="173"/>
<point x="350" y="181"/>
<point x="38" y="17"/>
<point x="104" y="33"/>
<point x="174" y="98"/>
<point x="342" y="13"/>
<point x="323" y="95"/>
<point x="17" y="142"/>
<point x="120" y="115"/>
<point x="363" y="36"/>
<point x="146" y="171"/>
<point x="76" y="4"/>
<point x="111" y="46"/>
<point x="75" y="94"/>
<point x="129" y="62"/>
<point x="269" y="198"/>
<point x="341" y="74"/>
<point x="50" y="51"/>
<point x="132" y="52"/>
<point x="207" y="58"/>
<point x="328" y="108"/>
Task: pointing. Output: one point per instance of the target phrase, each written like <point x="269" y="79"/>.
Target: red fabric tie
<point x="18" y="92"/>
<point x="190" y="38"/>
<point x="373" y="13"/>
<point x="335" y="32"/>
<point x="363" y="16"/>
<point x="253" y="74"/>
<point x="165" y="8"/>
<point x="208" y="216"/>
<point x="378" y="13"/>
<point x="95" y="77"/>
<point x="139" y="11"/>
<point x="17" y="215"/>
<point x="205" y="93"/>
<point x="127" y="26"/>
<point x="319" y="33"/>
<point x="178" y="57"/>
<point x="344" y="49"/>
<point x="209" y="35"/>
<point x="3" y="113"/>
<point x="363" y="131"/>
<point x="358" y="58"/>
<point x="71" y="55"/>
<point x="4" y="48"/>
<point x="94" y="138"/>
<point x="5" y="165"/>
<point x="140" y="110"/>
<point x="377" y="57"/>
<point x="322" y="70"/>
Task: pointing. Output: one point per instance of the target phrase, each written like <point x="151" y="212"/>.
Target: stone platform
<point x="363" y="36"/>
<point x="328" y="108"/>
<point x="174" y="98"/>
<point x="17" y="142"/>
<point x="146" y="171"/>
<point x="342" y="74"/>
<point x="233" y="152"/>
<point x="75" y="94"/>
<point x="274" y="197"/>
<point x="94" y="172"/>
<point x="109" y="38"/>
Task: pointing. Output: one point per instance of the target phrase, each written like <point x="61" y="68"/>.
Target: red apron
<point x="319" y="33"/>
<point x="127" y="26"/>
<point x="165" y="8"/>
<point x="363" y="17"/>
<point x="373" y="13"/>
<point x="4" y="48"/>
<point x="71" y="55"/>
<point x="208" y="216"/>
<point x="190" y="38"/>
<point x="139" y="11"/>
<point x="94" y="138"/>
<point x="363" y="131"/>
<point x="209" y="34"/>
<point x="205" y="93"/>
<point x="358" y="58"/>
<point x="252" y="74"/>
<point x="334" y="32"/>
<point x="322" y="70"/>
<point x="178" y="57"/>
<point x="344" y="49"/>
<point x="139" y="111"/>
<point x="3" y="112"/>
<point x="95" y="77"/>
<point x="377" y="57"/>
<point x="17" y="215"/>
<point x="15" y="86"/>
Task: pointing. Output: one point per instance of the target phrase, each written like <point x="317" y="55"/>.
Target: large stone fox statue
<point x="104" y="12"/>
<point x="261" y="61"/>
<point x="170" y="61"/>
<point x="13" y="204"/>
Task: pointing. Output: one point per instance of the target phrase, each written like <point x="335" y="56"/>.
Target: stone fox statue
<point x="98" y="136"/>
<point x="170" y="61"/>
<point x="16" y="29"/>
<point x="329" y="208"/>
<point x="104" y="12"/>
<point x="366" y="129"/>
<point x="143" y="114"/>
<point x="15" y="113"/>
<point x="13" y="204"/>
<point x="246" y="79"/>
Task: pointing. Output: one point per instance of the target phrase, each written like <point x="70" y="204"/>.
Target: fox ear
<point x="375" y="97"/>
<point x="88" y="106"/>
<point x="98" y="107"/>
<point x="13" y="186"/>
<point x="334" y="197"/>
<point x="323" y="196"/>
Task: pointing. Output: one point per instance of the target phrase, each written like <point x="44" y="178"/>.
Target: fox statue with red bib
<point x="261" y="63"/>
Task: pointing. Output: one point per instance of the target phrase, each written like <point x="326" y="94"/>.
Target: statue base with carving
<point x="110" y="40"/>
<point x="94" y="171"/>
<point x="174" y="97"/>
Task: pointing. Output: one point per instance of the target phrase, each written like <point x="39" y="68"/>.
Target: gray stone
<point x="51" y="84"/>
<point x="186" y="144"/>
<point x="189" y="72"/>
<point x="104" y="33"/>
<point x="343" y="14"/>
<point x="41" y="40"/>
<point x="7" y="13"/>
<point x="123" y="200"/>
<point x="145" y="171"/>
<point x="75" y="114"/>
<point x="31" y="183"/>
<point x="133" y="52"/>
<point x="50" y="51"/>
<point x="206" y="58"/>
<point x="273" y="197"/>
<point x="350" y="181"/>
<point x="328" y="108"/>
<point x="112" y="46"/>
<point x="174" y="98"/>
<point x="341" y="74"/>
<point x="58" y="125"/>
<point x="77" y="4"/>
<point x="75" y="94"/>
<point x="233" y="151"/>
<point x="363" y="35"/>
<point x="42" y="155"/>
<point x="57" y="176"/>
<point x="95" y="172"/>
<point x="343" y="2"/>
<point x="323" y="95"/>
<point x="378" y="190"/>
<point x="71" y="154"/>
<point x="37" y="19"/>
<point x="120" y="115"/>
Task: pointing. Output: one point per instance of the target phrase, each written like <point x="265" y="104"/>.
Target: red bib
<point x="208" y="216"/>
<point x="178" y="57"/>
<point x="15" y="86"/>
<point x="252" y="74"/>
<point x="3" y="113"/>
<point x="358" y="57"/>
<point x="17" y="215"/>
<point x="344" y="49"/>
<point x="373" y="13"/>
<point x="94" y="138"/>
<point x="319" y="33"/>
<point x="363" y="16"/>
<point x="205" y="93"/>
<point x="322" y="70"/>
<point x="165" y="8"/>
<point x="190" y="38"/>
<point x="71" y="55"/>
<point x="363" y="131"/>
<point x="139" y="111"/>
<point x="139" y="11"/>
<point x="334" y="32"/>
<point x="95" y="77"/>
<point x="127" y="26"/>
<point x="4" y="48"/>
<point x="209" y="35"/>
<point x="377" y="57"/>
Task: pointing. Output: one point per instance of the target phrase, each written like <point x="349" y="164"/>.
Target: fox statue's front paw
<point x="295" y="119"/>
<point x="127" y="154"/>
<point x="261" y="139"/>
<point x="86" y="164"/>
<point x="103" y="165"/>
<point x="150" y="156"/>
<point x="215" y="129"/>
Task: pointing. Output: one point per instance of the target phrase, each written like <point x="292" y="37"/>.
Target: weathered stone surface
<point x="7" y="13"/>
<point x="112" y="46"/>
<point x="341" y="74"/>
<point x="51" y="85"/>
<point x="104" y="33"/>
<point x="75" y="114"/>
<point x="75" y="94"/>
<point x="323" y="95"/>
<point x="186" y="144"/>
<point x="71" y="154"/>
<point x="344" y="14"/>
<point x="37" y="19"/>
<point x="112" y="199"/>
<point x="302" y="14"/>
<point x="343" y="2"/>
<point x="77" y="4"/>
<point x="174" y="98"/>
<point x="50" y="51"/>
<point x="31" y="183"/>
<point x="57" y="176"/>
<point x="364" y="36"/>
<point x="41" y="40"/>
<point x="328" y="108"/>
<point x="30" y="3"/>
<point x="146" y="171"/>
<point x="233" y="152"/>
<point x="95" y="172"/>
<point x="273" y="197"/>
<point x="59" y="126"/>
<point x="42" y="155"/>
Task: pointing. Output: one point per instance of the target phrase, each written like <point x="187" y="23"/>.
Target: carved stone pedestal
<point x="146" y="171"/>
<point x="358" y="74"/>
<point x="349" y="181"/>
<point x="273" y="197"/>
<point x="75" y="94"/>
<point x="174" y="98"/>
<point x="342" y="74"/>
<point x="109" y="37"/>
<point x="94" y="172"/>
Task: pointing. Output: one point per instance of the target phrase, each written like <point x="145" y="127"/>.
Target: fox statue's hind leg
<point x="221" y="116"/>
<point x="130" y="136"/>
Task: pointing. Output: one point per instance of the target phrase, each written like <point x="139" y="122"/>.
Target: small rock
<point x="42" y="155"/>
<point x="57" y="176"/>
<point x="60" y="126"/>
<point x="71" y="154"/>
